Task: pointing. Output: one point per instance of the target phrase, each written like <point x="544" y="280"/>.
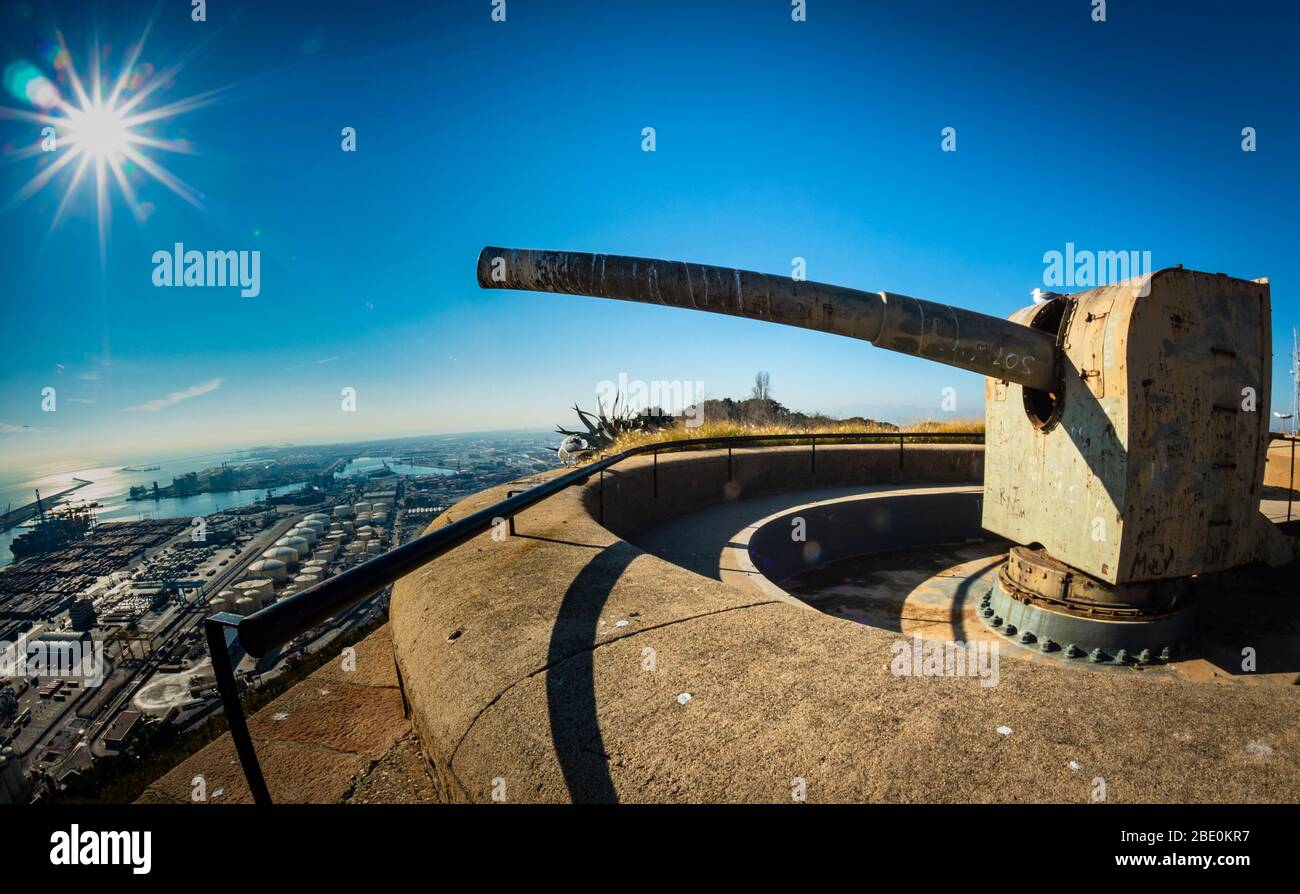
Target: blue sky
<point x="775" y="139"/>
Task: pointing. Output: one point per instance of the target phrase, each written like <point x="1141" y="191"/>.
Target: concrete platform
<point x="567" y="664"/>
<point x="338" y="736"/>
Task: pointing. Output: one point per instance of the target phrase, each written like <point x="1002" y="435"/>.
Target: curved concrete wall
<point x="847" y="528"/>
<point x="691" y="481"/>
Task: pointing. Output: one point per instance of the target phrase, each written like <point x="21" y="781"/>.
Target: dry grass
<point x="679" y="432"/>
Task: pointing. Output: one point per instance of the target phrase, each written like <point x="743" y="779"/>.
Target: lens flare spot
<point x="25" y="81"/>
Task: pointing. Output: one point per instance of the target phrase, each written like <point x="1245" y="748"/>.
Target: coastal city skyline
<point x="107" y="486"/>
<point x="366" y="257"/>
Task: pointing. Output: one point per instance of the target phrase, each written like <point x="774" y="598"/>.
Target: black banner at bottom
<point x="136" y="844"/>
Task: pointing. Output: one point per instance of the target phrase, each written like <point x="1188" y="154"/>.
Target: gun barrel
<point x="978" y="342"/>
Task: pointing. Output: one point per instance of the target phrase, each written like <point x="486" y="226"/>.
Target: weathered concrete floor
<point x="339" y="735"/>
<point x="934" y="592"/>
<point x="564" y="664"/>
<point x="697" y="541"/>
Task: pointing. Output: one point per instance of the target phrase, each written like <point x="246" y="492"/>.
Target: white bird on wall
<point x="570" y="447"/>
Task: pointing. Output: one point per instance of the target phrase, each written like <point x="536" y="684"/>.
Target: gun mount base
<point x="1043" y="604"/>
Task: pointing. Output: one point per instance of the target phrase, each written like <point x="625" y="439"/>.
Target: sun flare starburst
<point x="103" y="128"/>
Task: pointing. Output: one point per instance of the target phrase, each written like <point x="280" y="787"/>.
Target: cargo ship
<point x="54" y="530"/>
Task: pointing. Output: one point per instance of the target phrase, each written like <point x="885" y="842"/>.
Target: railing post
<point x="509" y="494"/>
<point x="1290" y="491"/>
<point x="728" y="462"/>
<point x="900" y="450"/>
<point x="219" y="649"/>
<point x="814" y="455"/>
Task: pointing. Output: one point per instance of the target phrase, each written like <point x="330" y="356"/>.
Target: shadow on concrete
<point x="562" y="542"/>
<point x="880" y="589"/>
<point x="957" y="616"/>
<point x="1254" y="607"/>
<point x="570" y="681"/>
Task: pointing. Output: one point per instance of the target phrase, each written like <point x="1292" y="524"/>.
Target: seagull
<point x="569" y="447"/>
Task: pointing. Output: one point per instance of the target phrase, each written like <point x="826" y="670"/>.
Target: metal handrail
<point x="276" y="624"/>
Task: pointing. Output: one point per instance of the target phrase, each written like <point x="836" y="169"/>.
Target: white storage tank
<point x="259" y="589"/>
<point x="319" y="517"/>
<point x="286" y="554"/>
<point x="361" y="507"/>
<point x="305" y="580"/>
<point x="298" y="543"/>
<point x="272" y="568"/>
<point x="374" y="547"/>
<point x="308" y="534"/>
<point x="355" y="548"/>
<point x="342" y="511"/>
<point x="250" y="594"/>
<point x="244" y="605"/>
<point x="348" y="527"/>
<point x="218" y="603"/>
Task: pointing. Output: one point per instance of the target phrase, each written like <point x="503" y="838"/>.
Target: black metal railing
<point x="271" y="627"/>
<point x="1290" y="489"/>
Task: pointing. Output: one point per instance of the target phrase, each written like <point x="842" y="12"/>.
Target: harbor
<point x="15" y="517"/>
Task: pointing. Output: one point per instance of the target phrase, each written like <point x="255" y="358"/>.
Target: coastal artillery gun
<point x="1126" y="427"/>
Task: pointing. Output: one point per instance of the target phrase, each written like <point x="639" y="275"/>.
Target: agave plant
<point x="603" y="430"/>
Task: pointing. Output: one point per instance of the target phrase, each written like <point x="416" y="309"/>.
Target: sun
<point x="99" y="127"/>
<point x="100" y="131"/>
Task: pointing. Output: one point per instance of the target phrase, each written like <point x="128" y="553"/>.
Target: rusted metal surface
<point x="1154" y="468"/>
<point x="1037" y="576"/>
<point x="939" y="332"/>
